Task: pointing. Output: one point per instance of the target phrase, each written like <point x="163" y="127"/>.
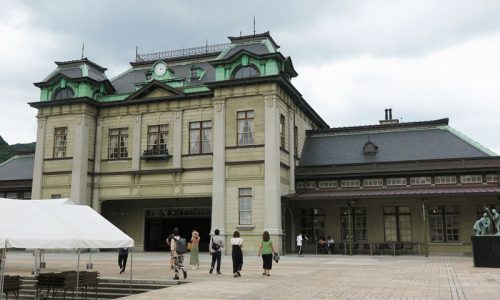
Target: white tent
<point x="56" y="224"/>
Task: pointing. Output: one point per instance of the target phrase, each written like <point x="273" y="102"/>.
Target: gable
<point x="158" y="92"/>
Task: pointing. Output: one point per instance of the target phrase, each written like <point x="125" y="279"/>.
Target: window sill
<point x="245" y="227"/>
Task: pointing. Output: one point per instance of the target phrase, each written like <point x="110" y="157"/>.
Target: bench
<point x="55" y="282"/>
<point x="12" y="284"/>
<point x="88" y="280"/>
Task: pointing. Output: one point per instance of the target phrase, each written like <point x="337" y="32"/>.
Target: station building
<point x="217" y="137"/>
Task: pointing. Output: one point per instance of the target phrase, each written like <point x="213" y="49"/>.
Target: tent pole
<point x="2" y="270"/>
<point x="131" y="265"/>
<point x="78" y="273"/>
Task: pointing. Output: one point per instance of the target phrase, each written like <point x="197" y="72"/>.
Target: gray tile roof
<point x="257" y="48"/>
<point x="17" y="168"/>
<point x="124" y="83"/>
<point x="327" y="148"/>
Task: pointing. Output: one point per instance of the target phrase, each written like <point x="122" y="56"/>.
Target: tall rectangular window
<point x="282" y="131"/>
<point x="60" y="140"/>
<point x="118" y="143"/>
<point x="157" y="139"/>
<point x="245" y="128"/>
<point x="296" y="140"/>
<point x="200" y="137"/>
<point x="357" y="222"/>
<point x="245" y="205"/>
<point x="313" y="223"/>
<point x="444" y="223"/>
<point x="397" y="224"/>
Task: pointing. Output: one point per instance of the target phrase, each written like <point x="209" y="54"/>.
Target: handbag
<point x="276" y="257"/>
<point x="215" y="246"/>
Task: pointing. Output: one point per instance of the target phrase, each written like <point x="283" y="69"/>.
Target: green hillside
<point x="7" y="151"/>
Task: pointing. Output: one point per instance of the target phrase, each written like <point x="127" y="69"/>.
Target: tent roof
<point x="56" y="224"/>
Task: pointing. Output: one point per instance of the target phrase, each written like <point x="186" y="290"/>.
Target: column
<point x="36" y="188"/>
<point x="272" y="195"/>
<point x="291" y="149"/>
<point x="96" y="205"/>
<point x="80" y="161"/>
<point x="136" y="143"/>
<point x="219" y="167"/>
<point x="177" y="145"/>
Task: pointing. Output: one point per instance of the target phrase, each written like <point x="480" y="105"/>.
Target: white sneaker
<point x="193" y="268"/>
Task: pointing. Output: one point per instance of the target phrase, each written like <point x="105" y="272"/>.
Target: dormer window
<point x="64" y="93"/>
<point x="370" y="149"/>
<point x="195" y="73"/>
<point x="245" y="72"/>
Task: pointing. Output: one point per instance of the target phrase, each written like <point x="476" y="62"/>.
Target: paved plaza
<point x="308" y="277"/>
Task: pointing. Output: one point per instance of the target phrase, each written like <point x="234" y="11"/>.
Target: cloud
<point x="458" y="82"/>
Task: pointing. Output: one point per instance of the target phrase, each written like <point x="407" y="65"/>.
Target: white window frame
<point x="371" y="182"/>
<point x="245" y="197"/>
<point x="395" y="181"/>
<point x="471" y="179"/>
<point x="350" y="183"/>
<point x="445" y="179"/>
<point x="423" y="180"/>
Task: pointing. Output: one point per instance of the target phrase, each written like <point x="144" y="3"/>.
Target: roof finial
<point x="253" y="25"/>
<point x="136" y="52"/>
<point x="83" y="49"/>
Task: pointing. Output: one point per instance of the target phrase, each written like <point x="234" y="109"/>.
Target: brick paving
<point x="309" y="277"/>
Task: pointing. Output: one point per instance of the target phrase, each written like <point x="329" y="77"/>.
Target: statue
<point x="495" y="216"/>
<point x="482" y="226"/>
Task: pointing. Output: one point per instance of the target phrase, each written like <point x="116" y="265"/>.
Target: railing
<point x="208" y="49"/>
<point x="155" y="154"/>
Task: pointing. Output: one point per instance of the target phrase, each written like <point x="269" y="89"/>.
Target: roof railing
<point x="188" y="52"/>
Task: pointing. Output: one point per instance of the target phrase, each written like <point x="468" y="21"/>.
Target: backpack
<point x="180" y="246"/>
<point x="215" y="246"/>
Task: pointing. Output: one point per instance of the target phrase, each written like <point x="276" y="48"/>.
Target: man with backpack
<point x="215" y="248"/>
<point x="179" y="247"/>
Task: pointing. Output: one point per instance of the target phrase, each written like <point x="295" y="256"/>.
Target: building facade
<point x="203" y="138"/>
<point x="392" y="187"/>
<point x="16" y="176"/>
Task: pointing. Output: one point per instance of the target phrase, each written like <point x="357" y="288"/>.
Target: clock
<point x="160" y="69"/>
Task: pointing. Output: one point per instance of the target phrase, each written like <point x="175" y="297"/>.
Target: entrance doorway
<point x="160" y="222"/>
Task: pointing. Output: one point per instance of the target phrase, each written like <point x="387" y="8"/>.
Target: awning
<point x="393" y="193"/>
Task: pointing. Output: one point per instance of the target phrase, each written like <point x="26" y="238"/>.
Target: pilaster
<point x="36" y="189"/>
<point x="96" y="205"/>
<point x="291" y="148"/>
<point x="219" y="167"/>
<point x="80" y="161"/>
<point x="177" y="145"/>
<point x="136" y="143"/>
<point x="272" y="195"/>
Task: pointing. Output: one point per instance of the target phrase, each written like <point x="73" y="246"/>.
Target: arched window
<point x="64" y="93"/>
<point x="245" y="72"/>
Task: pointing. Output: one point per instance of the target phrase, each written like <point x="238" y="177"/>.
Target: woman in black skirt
<point x="237" y="244"/>
<point x="267" y="250"/>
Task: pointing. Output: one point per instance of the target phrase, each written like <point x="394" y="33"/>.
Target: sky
<point x="424" y="59"/>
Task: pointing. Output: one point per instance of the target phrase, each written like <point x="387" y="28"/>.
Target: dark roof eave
<point x="254" y="37"/>
<point x="48" y="103"/>
<point x="157" y="99"/>
<point x="283" y="83"/>
<point x="83" y="60"/>
<point x="230" y="59"/>
<point x="55" y="78"/>
<point x="438" y="122"/>
<point x="392" y="193"/>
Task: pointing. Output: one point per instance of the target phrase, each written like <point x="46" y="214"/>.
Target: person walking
<point x="178" y="248"/>
<point x="266" y="249"/>
<point x="169" y="240"/>
<point x="215" y="248"/>
<point x="195" y="242"/>
<point x="122" y="259"/>
<point x="237" y="254"/>
<point x="330" y="244"/>
<point x="300" y="239"/>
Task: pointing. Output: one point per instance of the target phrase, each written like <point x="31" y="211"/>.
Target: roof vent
<point x="388" y="118"/>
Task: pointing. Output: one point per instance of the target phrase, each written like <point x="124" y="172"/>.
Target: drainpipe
<point x="426" y="245"/>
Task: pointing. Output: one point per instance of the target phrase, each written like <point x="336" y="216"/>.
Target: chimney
<point x="388" y="118"/>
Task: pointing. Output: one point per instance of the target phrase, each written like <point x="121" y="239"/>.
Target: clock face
<point x="160" y="69"/>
